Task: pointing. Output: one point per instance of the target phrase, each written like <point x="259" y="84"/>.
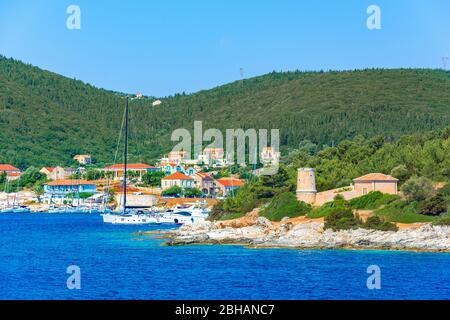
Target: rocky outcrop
<point x="311" y="234"/>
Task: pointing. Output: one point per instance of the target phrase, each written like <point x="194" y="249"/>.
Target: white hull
<point x="130" y="219"/>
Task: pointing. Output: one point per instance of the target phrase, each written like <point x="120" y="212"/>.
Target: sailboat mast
<point x="125" y="156"/>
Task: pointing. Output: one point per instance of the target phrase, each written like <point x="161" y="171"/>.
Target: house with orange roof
<point x="205" y="183"/>
<point x="137" y="170"/>
<point x="177" y="179"/>
<point x="46" y="170"/>
<point x="57" y="191"/>
<point x="12" y="173"/>
<point x="226" y="186"/>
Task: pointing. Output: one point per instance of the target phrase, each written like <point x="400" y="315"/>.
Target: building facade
<point x="137" y="170"/>
<point x="177" y="179"/>
<point x="57" y="191"/>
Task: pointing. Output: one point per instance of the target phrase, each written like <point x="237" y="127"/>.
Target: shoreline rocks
<point x="310" y="234"/>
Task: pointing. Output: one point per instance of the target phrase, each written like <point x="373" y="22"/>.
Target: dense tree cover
<point x="423" y="155"/>
<point x="46" y="119"/>
<point x="173" y="191"/>
<point x="153" y="178"/>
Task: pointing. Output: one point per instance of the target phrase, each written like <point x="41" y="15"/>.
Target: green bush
<point x="328" y="208"/>
<point x="372" y="200"/>
<point x="172" y="191"/>
<point x="285" y="205"/>
<point x="434" y="206"/>
<point x="418" y="189"/>
<point x="377" y="223"/>
<point x="341" y="219"/>
<point x="403" y="212"/>
<point x="443" y="221"/>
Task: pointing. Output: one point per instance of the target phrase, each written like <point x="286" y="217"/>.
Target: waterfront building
<point x="58" y="190"/>
<point x="177" y="179"/>
<point x="137" y="170"/>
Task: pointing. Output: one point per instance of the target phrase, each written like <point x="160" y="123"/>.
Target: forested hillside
<point x="45" y="118"/>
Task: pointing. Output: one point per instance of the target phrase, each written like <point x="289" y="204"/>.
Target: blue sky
<point x="164" y="47"/>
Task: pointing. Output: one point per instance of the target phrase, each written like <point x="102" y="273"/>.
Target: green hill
<point x="46" y="118"/>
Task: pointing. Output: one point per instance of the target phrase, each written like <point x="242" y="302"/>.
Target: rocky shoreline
<point x="310" y="234"/>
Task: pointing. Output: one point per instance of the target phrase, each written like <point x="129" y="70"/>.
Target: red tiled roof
<point x="131" y="166"/>
<point x="49" y="169"/>
<point x="204" y="175"/>
<point x="177" y="176"/>
<point x="8" y="167"/>
<point x="13" y="174"/>
<point x="66" y="182"/>
<point x="376" y="177"/>
<point x="227" y="182"/>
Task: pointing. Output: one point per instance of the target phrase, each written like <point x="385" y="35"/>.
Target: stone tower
<point x="306" y="185"/>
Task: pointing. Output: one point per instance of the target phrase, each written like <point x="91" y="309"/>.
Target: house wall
<point x="389" y="187"/>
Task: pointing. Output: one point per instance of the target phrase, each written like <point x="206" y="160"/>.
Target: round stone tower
<point x="306" y="185"/>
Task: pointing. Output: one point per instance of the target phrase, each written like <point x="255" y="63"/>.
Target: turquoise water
<point x="35" y="251"/>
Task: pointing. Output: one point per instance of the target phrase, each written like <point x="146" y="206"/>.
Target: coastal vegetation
<point x="46" y="118"/>
<point x="284" y="205"/>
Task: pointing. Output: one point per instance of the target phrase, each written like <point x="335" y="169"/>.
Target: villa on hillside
<point x="306" y="187"/>
<point x="12" y="173"/>
<point x="136" y="169"/>
<point x="57" y="191"/>
<point x="269" y="156"/>
<point x="227" y="186"/>
<point x="177" y="179"/>
<point x="210" y="155"/>
<point x="83" y="159"/>
<point x="46" y="170"/>
<point x="59" y="173"/>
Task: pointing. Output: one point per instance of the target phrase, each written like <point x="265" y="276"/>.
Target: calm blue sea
<point x="35" y="251"/>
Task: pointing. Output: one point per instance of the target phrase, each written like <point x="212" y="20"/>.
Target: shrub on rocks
<point x="285" y="205"/>
<point x="377" y="223"/>
<point x="341" y="219"/>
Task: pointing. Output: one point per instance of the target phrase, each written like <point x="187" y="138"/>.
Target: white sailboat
<point x="14" y="208"/>
<point x="129" y="215"/>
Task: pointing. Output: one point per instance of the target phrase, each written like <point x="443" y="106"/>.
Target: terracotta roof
<point x="49" y="169"/>
<point x="177" y="176"/>
<point x="66" y="182"/>
<point x="14" y="174"/>
<point x="227" y="182"/>
<point x="131" y="166"/>
<point x="376" y="177"/>
<point x="204" y="175"/>
<point x="8" y="167"/>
